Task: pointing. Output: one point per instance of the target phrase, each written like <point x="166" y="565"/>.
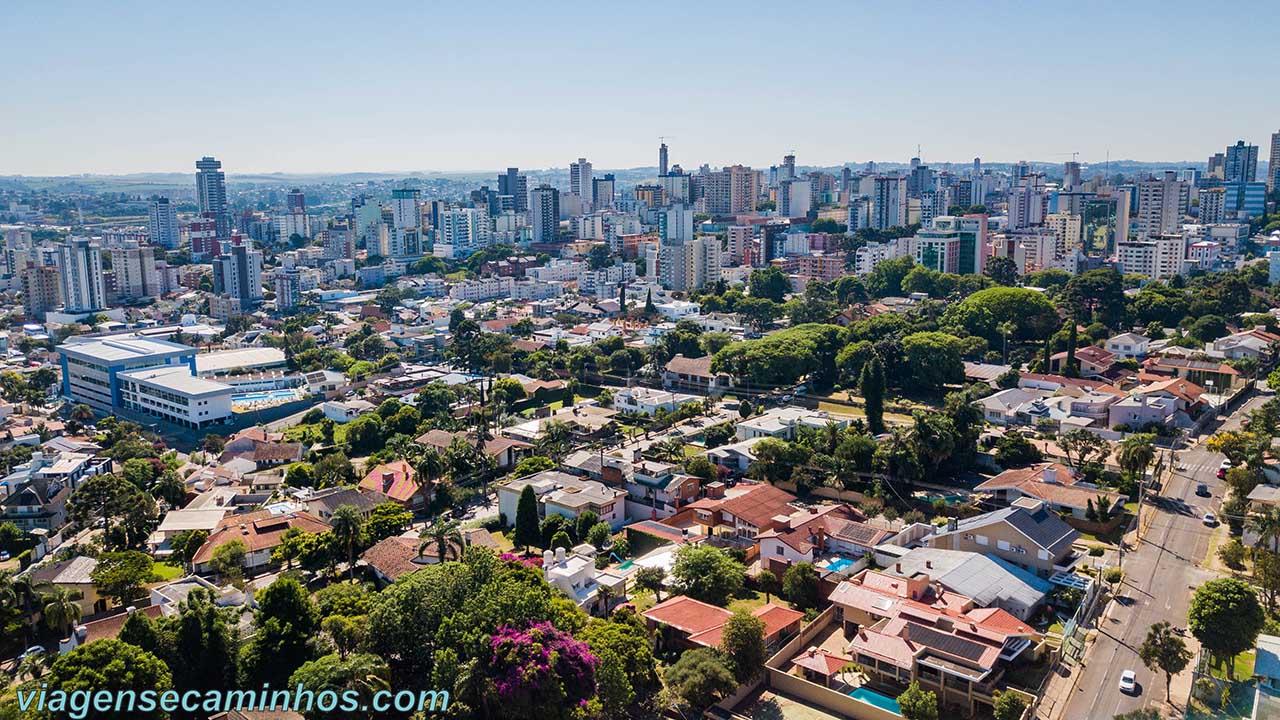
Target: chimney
<point x="388" y="478"/>
<point x="559" y="555"/>
<point x="813" y="510"/>
<point x="897" y="567"/>
<point x="130" y="610"/>
<point x="547" y="556"/>
<point x="928" y="564"/>
<point x="1050" y="473"/>
<point x="953" y="524"/>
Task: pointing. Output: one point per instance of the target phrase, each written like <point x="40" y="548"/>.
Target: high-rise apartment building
<point x="1157" y="257"/>
<point x="162" y="224"/>
<point x="544" y="212"/>
<point x="134" y="266"/>
<point x="515" y="185"/>
<point x="405" y="210"/>
<point x="602" y="190"/>
<point x="1242" y="163"/>
<point x="662" y="159"/>
<point x="296" y="201"/>
<point x="1213" y="205"/>
<point x="732" y="190"/>
<point x="580" y="178"/>
<point x="1273" y="163"/>
<point x="794" y="197"/>
<point x="1068" y="228"/>
<point x="1026" y="203"/>
<point x="889" y="202"/>
<point x="1216" y="169"/>
<point x="41" y="290"/>
<point x="462" y="231"/>
<point x="83" y="286"/>
<point x="237" y="273"/>
<point x="211" y="194"/>
<point x="1161" y="205"/>
<point x="675" y="224"/>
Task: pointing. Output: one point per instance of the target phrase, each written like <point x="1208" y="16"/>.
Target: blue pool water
<point x="871" y="697"/>
<point x="839" y="564"/>
<point x="268" y="395"/>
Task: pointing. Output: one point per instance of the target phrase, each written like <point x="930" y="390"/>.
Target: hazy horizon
<point x="130" y="88"/>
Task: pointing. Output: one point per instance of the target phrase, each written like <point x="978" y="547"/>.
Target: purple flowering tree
<point x="541" y="671"/>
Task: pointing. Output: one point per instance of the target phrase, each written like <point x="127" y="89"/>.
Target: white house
<point x="341" y="411"/>
<point x="782" y="422"/>
<point x="563" y="494"/>
<point x="646" y="401"/>
<point x="575" y="573"/>
<point x="1128" y="346"/>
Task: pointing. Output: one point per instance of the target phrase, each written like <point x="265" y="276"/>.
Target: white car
<point x="1128" y="681"/>
<point x="1210" y="519"/>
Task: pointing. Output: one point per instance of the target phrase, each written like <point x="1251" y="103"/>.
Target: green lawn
<point x="642" y="600"/>
<point x="311" y="433"/>
<point x="751" y="599"/>
<point x="691" y="450"/>
<point x="166" y="571"/>
<point x="504" y="543"/>
<point x="1243" y="667"/>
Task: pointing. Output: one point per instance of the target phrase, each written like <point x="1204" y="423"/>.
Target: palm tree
<point x="34" y="665"/>
<point x="604" y="594"/>
<point x="61" y="609"/>
<point x="81" y="413"/>
<point x="347" y="528"/>
<point x="1006" y="329"/>
<point x="28" y="591"/>
<point x="430" y="466"/>
<point x="670" y="449"/>
<point x="1267" y="527"/>
<point x="442" y="535"/>
<point x="8" y="595"/>
<point x="1135" y="455"/>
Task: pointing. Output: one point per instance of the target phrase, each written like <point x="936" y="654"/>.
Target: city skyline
<point x="438" y="91"/>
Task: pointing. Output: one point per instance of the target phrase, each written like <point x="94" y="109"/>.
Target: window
<point x="982" y="540"/>
<point x="1043" y="554"/>
<point x="1002" y="544"/>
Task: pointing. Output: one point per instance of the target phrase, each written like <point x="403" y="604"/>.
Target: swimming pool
<point x="268" y="395"/>
<point x="626" y="564"/>
<point x="838" y="564"/>
<point x="871" y="697"/>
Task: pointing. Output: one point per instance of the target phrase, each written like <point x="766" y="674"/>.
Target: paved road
<point x="1161" y="574"/>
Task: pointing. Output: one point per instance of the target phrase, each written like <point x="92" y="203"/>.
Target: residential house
<point x="1128" y="346"/>
<point x="76" y="576"/>
<point x="1092" y="360"/>
<point x="694" y="374"/>
<point x="1050" y="482"/>
<point x="344" y="411"/>
<point x="506" y="452"/>
<point x="1217" y="377"/>
<point x="782" y="423"/>
<point x="990" y="580"/>
<point x="261" y="533"/>
<point x="684" y="622"/>
<point x="1140" y="410"/>
<point x="563" y="494"/>
<point x="399" y="555"/>
<point x="321" y="504"/>
<point x="740" y="514"/>
<point x="575" y="574"/>
<point x="398" y="481"/>
<point x="645" y="401"/>
<point x="1028" y="534"/>
<point x="812" y="533"/>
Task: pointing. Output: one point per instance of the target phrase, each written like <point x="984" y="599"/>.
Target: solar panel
<point x="944" y="643"/>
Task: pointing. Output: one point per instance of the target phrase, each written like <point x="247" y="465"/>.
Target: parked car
<point x="1210" y="519"/>
<point x="1128" y="681"/>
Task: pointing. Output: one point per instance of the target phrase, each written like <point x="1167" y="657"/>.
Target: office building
<point x="889" y="202"/>
<point x="83" y="286"/>
<point x="1162" y="203"/>
<point x="1241" y="163"/>
<point x="211" y="194"/>
<point x="41" y="290"/>
<point x="162" y="224"/>
<point x="544" y="212"/>
<point x="938" y="248"/>
<point x="134" y="266"/>
<point x="732" y="190"/>
<point x="145" y="375"/>
<point x="580" y="178"/>
<point x="515" y="185"/>
<point x="237" y="273"/>
<point x="602" y="191"/>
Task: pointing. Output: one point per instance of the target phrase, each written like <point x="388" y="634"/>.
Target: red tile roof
<point x="260" y="530"/>
<point x="403" y="485"/>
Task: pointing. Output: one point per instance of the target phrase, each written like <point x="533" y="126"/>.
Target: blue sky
<point x="340" y="86"/>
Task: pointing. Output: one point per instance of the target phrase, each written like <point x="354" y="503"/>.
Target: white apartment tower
<point x="580" y="178"/>
<point x="1161" y="204"/>
<point x="83" y="288"/>
<point x="163" y="223"/>
<point x="889" y="202"/>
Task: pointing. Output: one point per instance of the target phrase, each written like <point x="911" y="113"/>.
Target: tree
<point x="872" y="384"/>
<point x="700" y="677"/>
<point x="770" y="283"/>
<point x="1226" y="618"/>
<point x="539" y="670"/>
<point x="651" y="579"/>
<point x="532" y="464"/>
<point x="917" y="704"/>
<point x="1084" y="450"/>
<point x="333" y="470"/>
<point x="1002" y="270"/>
<point x="442" y="535"/>
<point x="560" y="540"/>
<point x="1008" y="706"/>
<point x="120" y="576"/>
<point x="1014" y="451"/>
<point x="527" y="531"/>
<point x="285" y="621"/>
<point x="933" y="360"/>
<point x="1164" y="651"/>
<point x="1135" y="455"/>
<point x="1233" y="554"/>
<point x="362" y="674"/>
<point x="61" y="610"/>
<point x="385" y="520"/>
<point x="599" y="535"/>
<point x="347" y="529"/>
<point x="743" y="643"/>
<point x="106" y="497"/>
<point x="184" y="544"/>
<point x="1008" y="379"/>
<point x="228" y="558"/>
<point x="707" y="573"/>
<point x="107" y="666"/>
<point x="800" y="585"/>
